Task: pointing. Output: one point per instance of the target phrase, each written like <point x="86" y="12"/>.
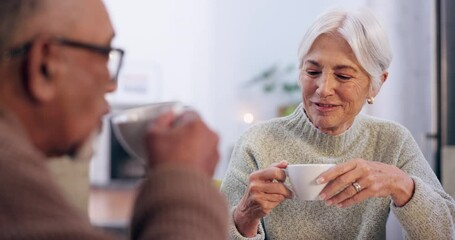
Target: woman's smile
<point x="325" y="107"/>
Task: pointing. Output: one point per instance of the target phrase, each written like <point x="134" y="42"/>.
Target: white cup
<point x="303" y="179"/>
<point x="130" y="125"/>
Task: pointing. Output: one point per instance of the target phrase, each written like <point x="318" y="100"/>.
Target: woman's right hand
<point x="265" y="191"/>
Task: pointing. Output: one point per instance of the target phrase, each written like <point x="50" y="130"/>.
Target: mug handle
<point x="290" y="185"/>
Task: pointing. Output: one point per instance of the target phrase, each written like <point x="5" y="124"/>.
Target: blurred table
<point x="111" y="208"/>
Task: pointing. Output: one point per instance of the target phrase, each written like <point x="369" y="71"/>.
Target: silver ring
<point x="357" y="187"/>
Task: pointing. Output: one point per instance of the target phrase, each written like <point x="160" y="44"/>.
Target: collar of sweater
<point x="333" y="144"/>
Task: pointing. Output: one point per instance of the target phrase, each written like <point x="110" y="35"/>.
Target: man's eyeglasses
<point x="115" y="55"/>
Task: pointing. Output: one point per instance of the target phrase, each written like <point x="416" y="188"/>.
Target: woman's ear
<point x="384" y="77"/>
<point x="374" y="92"/>
<point x="38" y="72"/>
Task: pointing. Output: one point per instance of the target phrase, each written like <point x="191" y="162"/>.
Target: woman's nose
<point x="325" y="85"/>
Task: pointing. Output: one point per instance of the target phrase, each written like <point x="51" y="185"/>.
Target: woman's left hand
<point x="354" y="181"/>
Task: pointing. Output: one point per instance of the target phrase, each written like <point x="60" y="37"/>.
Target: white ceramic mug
<point x="303" y="179"/>
<point x="130" y="125"/>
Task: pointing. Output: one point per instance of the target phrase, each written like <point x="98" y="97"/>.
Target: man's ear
<point x="39" y="70"/>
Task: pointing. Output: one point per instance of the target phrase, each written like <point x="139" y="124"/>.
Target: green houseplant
<point x="282" y="80"/>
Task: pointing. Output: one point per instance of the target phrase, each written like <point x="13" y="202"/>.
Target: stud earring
<point x="370" y="100"/>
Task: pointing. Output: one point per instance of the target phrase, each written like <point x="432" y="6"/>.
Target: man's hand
<point x="184" y="140"/>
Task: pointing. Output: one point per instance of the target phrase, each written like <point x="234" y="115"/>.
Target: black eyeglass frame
<point x="103" y="50"/>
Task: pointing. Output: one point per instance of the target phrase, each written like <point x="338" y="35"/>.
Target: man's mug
<point x="130" y="125"/>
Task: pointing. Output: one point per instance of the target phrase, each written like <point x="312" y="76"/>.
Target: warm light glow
<point x="248" y="118"/>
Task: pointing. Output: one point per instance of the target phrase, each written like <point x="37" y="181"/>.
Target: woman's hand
<point x="265" y="191"/>
<point x="373" y="179"/>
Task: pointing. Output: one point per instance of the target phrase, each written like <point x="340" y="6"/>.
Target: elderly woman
<point x="344" y="58"/>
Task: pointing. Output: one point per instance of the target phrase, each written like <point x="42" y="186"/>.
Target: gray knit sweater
<point x="428" y="215"/>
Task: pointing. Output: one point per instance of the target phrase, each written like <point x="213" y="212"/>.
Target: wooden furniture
<point x="111" y="208"/>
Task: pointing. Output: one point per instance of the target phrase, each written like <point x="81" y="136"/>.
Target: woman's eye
<point x="343" y="77"/>
<point x="312" y="72"/>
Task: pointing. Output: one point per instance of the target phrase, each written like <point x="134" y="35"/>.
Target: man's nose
<point x="111" y="86"/>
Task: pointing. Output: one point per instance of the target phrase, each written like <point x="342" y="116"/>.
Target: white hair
<point x="364" y="35"/>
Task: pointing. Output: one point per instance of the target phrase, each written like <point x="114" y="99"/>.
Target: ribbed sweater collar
<point x="333" y="145"/>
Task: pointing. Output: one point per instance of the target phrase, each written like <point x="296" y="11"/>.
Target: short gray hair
<point x="364" y="34"/>
<point x="13" y="14"/>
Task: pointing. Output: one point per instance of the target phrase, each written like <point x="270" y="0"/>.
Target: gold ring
<point x="357" y="187"/>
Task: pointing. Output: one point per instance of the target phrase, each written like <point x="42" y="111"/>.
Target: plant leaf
<point x="290" y="87"/>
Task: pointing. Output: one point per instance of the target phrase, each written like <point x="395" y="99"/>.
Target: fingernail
<point x="329" y="202"/>
<point x="322" y="196"/>
<point x="340" y="205"/>
<point x="320" y="180"/>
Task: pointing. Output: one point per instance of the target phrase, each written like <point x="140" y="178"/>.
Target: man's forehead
<point x="81" y="18"/>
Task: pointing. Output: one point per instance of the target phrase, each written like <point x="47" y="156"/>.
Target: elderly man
<point x="53" y="77"/>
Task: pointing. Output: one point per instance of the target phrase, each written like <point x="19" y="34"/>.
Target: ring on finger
<point x="357" y="187"/>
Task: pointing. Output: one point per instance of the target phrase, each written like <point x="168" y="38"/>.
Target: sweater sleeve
<point x="175" y="203"/>
<point x="31" y="205"/>
<point x="235" y="184"/>
<point x="178" y="203"/>
<point x="235" y="235"/>
<point x="430" y="212"/>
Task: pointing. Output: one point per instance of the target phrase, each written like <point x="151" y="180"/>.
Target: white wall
<point x="167" y="41"/>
